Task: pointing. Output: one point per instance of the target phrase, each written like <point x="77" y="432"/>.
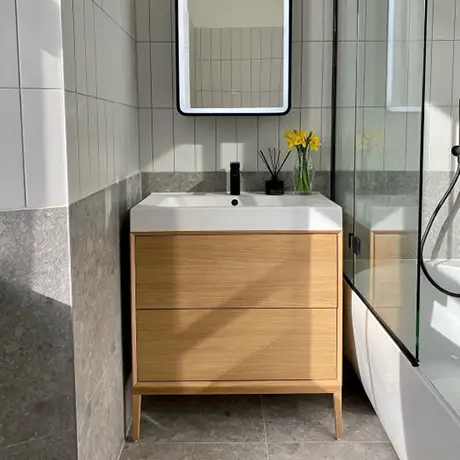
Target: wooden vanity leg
<point x="338" y="414"/>
<point x="136" y="417"/>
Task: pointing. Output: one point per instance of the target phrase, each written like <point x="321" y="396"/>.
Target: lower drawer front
<point x="236" y="344"/>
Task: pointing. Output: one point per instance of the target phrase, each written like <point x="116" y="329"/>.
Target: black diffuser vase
<point x="274" y="186"/>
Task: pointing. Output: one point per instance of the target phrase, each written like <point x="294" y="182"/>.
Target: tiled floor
<point x="259" y="428"/>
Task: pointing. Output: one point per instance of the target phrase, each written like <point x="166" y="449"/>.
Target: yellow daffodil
<point x="301" y="133"/>
<point x="300" y="139"/>
<point x="314" y="142"/>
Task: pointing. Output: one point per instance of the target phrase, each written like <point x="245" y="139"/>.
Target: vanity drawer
<point x="231" y="270"/>
<point x="236" y="345"/>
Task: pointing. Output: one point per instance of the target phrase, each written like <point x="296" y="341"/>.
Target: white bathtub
<point x="439" y="337"/>
<point x="418" y="420"/>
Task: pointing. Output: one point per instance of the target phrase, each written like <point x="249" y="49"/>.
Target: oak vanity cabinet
<point x="236" y="312"/>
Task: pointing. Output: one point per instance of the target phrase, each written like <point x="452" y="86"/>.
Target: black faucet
<point x="235" y="178"/>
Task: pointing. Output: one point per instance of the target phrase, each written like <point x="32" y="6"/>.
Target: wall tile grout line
<point x="76" y="104"/>
<point x="152" y="127"/>
<point x="21" y="114"/>
<point x="88" y="96"/>
<point x="96" y="90"/>
<point x="132" y="37"/>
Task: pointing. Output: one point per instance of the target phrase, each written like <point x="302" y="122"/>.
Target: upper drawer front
<point x="236" y="271"/>
<point x="236" y="344"/>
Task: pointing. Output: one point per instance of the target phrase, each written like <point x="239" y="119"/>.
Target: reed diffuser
<point x="274" y="164"/>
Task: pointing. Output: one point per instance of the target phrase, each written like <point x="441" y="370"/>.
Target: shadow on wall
<point x="37" y="394"/>
<point x="36" y="349"/>
<point x="40" y="49"/>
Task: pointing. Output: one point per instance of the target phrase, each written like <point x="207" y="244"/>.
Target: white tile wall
<point x="44" y="147"/>
<point x="11" y="173"/>
<point x="443" y="88"/>
<point x="399" y="133"/>
<point x="32" y="135"/>
<point x="217" y="141"/>
<point x="73" y="162"/>
<point x="40" y="46"/>
<point x="105" y="116"/>
<point x="163" y="140"/>
<point x="389" y="131"/>
<point x="65" y="145"/>
<point x="8" y="45"/>
<point x="205" y="143"/>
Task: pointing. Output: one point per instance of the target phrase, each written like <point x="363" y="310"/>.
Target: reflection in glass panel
<point x="347" y="48"/>
<point x="389" y="48"/>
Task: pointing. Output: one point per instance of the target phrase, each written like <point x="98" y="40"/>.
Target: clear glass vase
<point x="304" y="172"/>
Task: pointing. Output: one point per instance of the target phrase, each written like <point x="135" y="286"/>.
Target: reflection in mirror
<point x="233" y="56"/>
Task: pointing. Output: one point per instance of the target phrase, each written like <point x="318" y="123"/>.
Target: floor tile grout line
<point x="236" y="443"/>
<point x="267" y="453"/>
<point x="230" y="443"/>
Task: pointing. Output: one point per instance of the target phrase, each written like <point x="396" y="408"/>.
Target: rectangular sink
<point x="222" y="212"/>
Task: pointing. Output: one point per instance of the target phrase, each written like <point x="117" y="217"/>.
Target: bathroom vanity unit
<point x="236" y="295"/>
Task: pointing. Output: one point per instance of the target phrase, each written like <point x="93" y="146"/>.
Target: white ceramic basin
<point x="223" y="212"/>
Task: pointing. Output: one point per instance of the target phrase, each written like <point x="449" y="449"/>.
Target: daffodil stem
<point x="303" y="180"/>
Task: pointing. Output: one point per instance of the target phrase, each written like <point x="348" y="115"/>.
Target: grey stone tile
<point x="190" y="451"/>
<point x="146" y="185"/>
<point x="60" y="447"/>
<point x="332" y="451"/>
<point x="184" y="182"/>
<point x="133" y="190"/>
<point x="443" y="241"/>
<point x="202" y="419"/>
<point x="99" y="242"/>
<point x="95" y="254"/>
<point x="101" y="433"/>
<point x="305" y="418"/>
<point x="36" y="352"/>
<point x="34" y="251"/>
<point x="162" y="182"/>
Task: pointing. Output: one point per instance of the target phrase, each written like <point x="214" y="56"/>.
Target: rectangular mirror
<point x="233" y="57"/>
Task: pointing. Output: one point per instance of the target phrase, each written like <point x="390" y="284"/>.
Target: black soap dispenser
<point x="235" y="180"/>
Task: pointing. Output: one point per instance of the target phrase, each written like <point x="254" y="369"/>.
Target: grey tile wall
<point x="200" y="182"/>
<point x="37" y="396"/>
<point x="99" y="249"/>
<point x="443" y="241"/>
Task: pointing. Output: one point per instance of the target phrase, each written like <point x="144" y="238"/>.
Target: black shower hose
<point x="455" y="153"/>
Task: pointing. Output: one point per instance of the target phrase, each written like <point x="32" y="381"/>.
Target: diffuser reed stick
<point x="275" y="165"/>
